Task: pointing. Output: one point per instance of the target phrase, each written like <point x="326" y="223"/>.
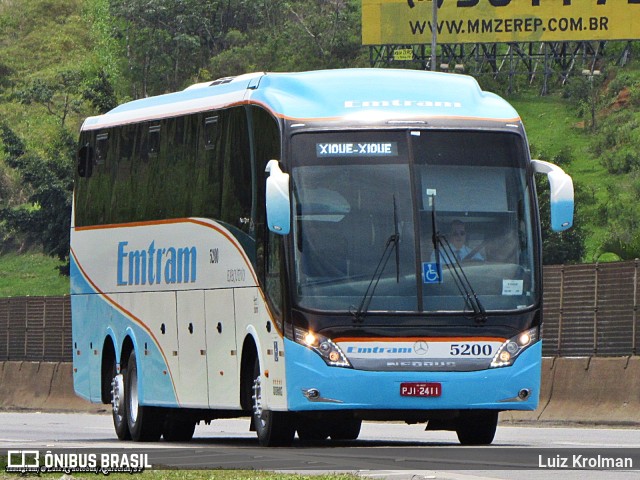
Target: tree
<point x="45" y="217"/>
<point x="100" y="93"/>
<point x="60" y="95"/>
<point x="165" y="42"/>
<point x="588" y="93"/>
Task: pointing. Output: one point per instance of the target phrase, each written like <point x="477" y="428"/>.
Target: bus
<point x="281" y="246"/>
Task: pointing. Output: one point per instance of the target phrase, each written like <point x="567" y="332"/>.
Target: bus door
<point x="222" y="353"/>
<point x="192" y="382"/>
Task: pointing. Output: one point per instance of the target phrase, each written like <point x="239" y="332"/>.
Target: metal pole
<point x="434" y="34"/>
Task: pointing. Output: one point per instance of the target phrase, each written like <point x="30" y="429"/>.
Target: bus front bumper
<point x="313" y="386"/>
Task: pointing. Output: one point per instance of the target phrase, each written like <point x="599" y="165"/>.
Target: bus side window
<point x="153" y="143"/>
<point x="102" y="148"/>
<point x="85" y="161"/>
<point x="210" y="132"/>
<point x="273" y="280"/>
<point x="237" y="182"/>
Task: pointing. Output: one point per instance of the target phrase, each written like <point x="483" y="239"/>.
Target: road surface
<point x="383" y="450"/>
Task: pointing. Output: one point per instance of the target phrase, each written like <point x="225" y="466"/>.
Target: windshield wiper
<point x="431" y="193"/>
<point x="461" y="280"/>
<point x="453" y="264"/>
<point x="392" y="242"/>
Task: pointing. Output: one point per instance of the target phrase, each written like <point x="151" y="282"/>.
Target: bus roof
<point x="327" y="95"/>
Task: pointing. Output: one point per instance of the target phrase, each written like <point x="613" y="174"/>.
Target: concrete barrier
<point x="587" y="390"/>
<point x="41" y="386"/>
<point x="574" y="390"/>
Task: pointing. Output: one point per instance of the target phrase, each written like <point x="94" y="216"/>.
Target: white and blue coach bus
<point x="282" y="246"/>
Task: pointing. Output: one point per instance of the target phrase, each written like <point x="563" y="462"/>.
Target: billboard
<point x="495" y="21"/>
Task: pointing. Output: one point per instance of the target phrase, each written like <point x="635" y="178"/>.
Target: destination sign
<point x="357" y="149"/>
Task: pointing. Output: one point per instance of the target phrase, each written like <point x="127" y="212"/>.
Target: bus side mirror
<point x="277" y="199"/>
<point x="561" y="194"/>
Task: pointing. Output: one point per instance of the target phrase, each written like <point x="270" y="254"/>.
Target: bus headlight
<point x="323" y="346"/>
<point x="512" y="348"/>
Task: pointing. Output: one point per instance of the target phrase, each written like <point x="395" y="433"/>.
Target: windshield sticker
<point x="368" y="149"/>
<point x="512" y="287"/>
<point x="431" y="272"/>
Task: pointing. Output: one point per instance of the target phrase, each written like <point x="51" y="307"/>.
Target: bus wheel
<point x="178" y="428"/>
<point x="144" y="423"/>
<point x="349" y="429"/>
<point x="477" y="427"/>
<point x="273" y="428"/>
<point x="118" y="403"/>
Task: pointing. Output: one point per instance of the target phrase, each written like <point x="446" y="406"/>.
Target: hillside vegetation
<point x="63" y="60"/>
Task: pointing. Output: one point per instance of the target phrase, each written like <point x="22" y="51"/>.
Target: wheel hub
<point x="257" y="397"/>
<point x="117" y="394"/>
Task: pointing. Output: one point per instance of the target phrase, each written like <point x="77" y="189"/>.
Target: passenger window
<point x="85" y="161"/>
<point x="102" y="148"/>
<point x="154" y="141"/>
<point x="210" y="132"/>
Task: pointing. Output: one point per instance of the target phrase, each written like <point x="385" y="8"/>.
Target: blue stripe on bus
<point x="93" y="317"/>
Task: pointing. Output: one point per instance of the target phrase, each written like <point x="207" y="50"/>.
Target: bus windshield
<point x="365" y="207"/>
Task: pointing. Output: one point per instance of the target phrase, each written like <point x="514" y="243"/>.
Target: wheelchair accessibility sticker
<point x="431" y="272"/>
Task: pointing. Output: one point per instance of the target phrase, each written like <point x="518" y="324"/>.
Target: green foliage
<point x="12" y="145"/>
<point x="618" y="142"/>
<point x="167" y="44"/>
<point x="59" y="96"/>
<point x="586" y="92"/>
<point x="100" y="92"/>
<point x="623" y="219"/>
<point x="45" y="217"/>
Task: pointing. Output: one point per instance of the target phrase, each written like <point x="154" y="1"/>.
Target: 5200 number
<point x="471" y="349"/>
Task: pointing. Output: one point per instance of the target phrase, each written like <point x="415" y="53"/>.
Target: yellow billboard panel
<point x="496" y="21"/>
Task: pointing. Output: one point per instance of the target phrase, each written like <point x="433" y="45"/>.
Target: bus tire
<point x="274" y="429"/>
<point x="477" y="427"/>
<point x="119" y="403"/>
<point x="145" y="423"/>
<point x="349" y="429"/>
<point x="178" y="428"/>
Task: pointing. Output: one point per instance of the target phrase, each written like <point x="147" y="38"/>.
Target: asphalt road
<point x="384" y="450"/>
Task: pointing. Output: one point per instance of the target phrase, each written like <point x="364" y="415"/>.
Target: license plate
<point x="420" y="389"/>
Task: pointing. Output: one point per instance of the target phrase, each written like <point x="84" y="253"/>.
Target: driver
<point x="458" y="240"/>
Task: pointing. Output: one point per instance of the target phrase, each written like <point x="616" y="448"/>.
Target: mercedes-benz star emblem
<point x="421" y="348"/>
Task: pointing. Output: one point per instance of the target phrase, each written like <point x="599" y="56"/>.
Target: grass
<point x="553" y="126"/>
<point x="181" y="475"/>
<point x="31" y="274"/>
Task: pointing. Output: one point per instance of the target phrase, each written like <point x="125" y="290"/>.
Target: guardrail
<point x="590" y="310"/>
<point x="35" y="329"/>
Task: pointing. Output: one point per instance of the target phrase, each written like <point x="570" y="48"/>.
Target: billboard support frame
<point x="512" y="59"/>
